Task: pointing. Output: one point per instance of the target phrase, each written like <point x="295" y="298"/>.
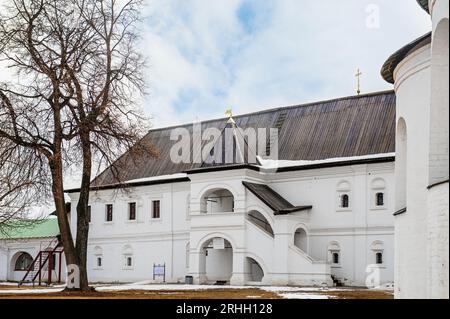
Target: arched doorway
<point x="254" y="271"/>
<point x="216" y="261"/>
<point x="20" y="262"/>
<point x="217" y="201"/>
<point x="301" y="239"/>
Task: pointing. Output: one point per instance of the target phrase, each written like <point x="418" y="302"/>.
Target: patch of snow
<point x="388" y="286"/>
<point x="30" y="291"/>
<point x="299" y="289"/>
<point x="7" y="283"/>
<point x="157" y="178"/>
<point x="274" y="164"/>
<point x="137" y="286"/>
<point x="303" y="296"/>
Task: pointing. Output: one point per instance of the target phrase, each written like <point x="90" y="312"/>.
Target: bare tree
<point x="80" y="78"/>
<point x="20" y="186"/>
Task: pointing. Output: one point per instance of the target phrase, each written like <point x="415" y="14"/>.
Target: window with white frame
<point x="334" y="254"/>
<point x="378" y="194"/>
<point x="132" y="211"/>
<point x="128" y="260"/>
<point x="377" y="248"/>
<point x="343" y="196"/>
<point x="109" y="212"/>
<point x="98" y="257"/>
<point x="156" y="209"/>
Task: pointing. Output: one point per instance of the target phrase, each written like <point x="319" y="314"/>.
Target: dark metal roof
<point x="240" y="154"/>
<point x="424" y="5"/>
<point x="344" y="127"/>
<point x="387" y="71"/>
<point x="275" y="201"/>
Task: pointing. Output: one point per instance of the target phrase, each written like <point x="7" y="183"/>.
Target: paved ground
<point x="152" y="291"/>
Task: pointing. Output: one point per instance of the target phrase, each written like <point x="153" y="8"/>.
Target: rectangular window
<point x="89" y="213"/>
<point x="109" y="212"/>
<point x="379" y="258"/>
<point x="345" y="201"/>
<point x="380" y="199"/>
<point x="335" y="256"/>
<point x="99" y="261"/>
<point x="129" y="262"/>
<point x="131" y="211"/>
<point x="156" y="209"/>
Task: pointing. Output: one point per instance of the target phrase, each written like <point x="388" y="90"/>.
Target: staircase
<point x="36" y="271"/>
<point x="278" y="124"/>
<point x="302" y="269"/>
<point x="336" y="281"/>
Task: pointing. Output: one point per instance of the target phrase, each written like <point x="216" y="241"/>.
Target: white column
<point x="238" y="276"/>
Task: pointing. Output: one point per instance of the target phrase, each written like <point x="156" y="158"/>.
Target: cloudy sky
<point x="209" y="55"/>
<point x="206" y="56"/>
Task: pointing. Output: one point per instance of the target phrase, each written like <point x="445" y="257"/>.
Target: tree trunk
<point x="60" y="205"/>
<point x="82" y="212"/>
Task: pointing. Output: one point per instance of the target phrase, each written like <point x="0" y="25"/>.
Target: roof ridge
<point x="274" y="109"/>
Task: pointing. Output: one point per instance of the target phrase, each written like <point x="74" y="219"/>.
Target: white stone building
<point x="22" y="246"/>
<point x="324" y="214"/>
<point x="419" y="72"/>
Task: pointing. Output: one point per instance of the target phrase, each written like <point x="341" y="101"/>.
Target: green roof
<point x="21" y="229"/>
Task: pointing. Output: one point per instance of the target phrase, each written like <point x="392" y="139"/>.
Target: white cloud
<point x="203" y="59"/>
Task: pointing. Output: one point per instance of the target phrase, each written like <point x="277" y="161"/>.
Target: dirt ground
<point x="148" y="294"/>
<point x="225" y="293"/>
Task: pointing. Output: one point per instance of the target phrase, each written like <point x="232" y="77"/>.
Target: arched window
<point x="23" y="262"/>
<point x="401" y="159"/>
<point x="343" y="192"/>
<point x="128" y="259"/>
<point x="334" y="254"/>
<point x="378" y="191"/>
<point x="379" y="199"/>
<point x="335" y="258"/>
<point x="301" y="239"/>
<point x="379" y="258"/>
<point x="98" y="257"/>
<point x="377" y="248"/>
<point x="217" y="201"/>
<point x="345" y="201"/>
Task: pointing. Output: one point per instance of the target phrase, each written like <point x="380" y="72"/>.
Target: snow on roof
<point x="274" y="164"/>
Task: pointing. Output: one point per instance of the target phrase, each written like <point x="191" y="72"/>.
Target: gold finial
<point x="229" y="113"/>
<point x="358" y="76"/>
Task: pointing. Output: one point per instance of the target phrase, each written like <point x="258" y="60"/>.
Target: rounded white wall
<point x="412" y="86"/>
<point x="438" y="203"/>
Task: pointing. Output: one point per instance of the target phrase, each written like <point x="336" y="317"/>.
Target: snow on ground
<point x="30" y="291"/>
<point x="387" y="287"/>
<point x="303" y="296"/>
<point x="138" y="286"/>
<point x="285" y="292"/>
<point x="7" y="283"/>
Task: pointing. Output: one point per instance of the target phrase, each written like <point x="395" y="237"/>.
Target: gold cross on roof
<point x="358" y="75"/>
